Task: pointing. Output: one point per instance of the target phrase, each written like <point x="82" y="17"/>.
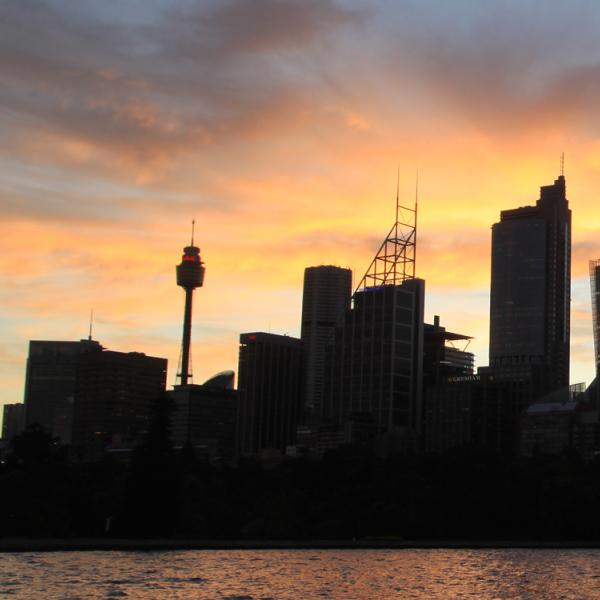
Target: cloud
<point x="235" y="27"/>
<point x="508" y="69"/>
<point x="281" y="136"/>
<point x="198" y="77"/>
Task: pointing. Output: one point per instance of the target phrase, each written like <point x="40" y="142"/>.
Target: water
<point x="304" y="574"/>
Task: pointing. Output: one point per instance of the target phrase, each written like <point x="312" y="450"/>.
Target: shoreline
<point x="137" y="545"/>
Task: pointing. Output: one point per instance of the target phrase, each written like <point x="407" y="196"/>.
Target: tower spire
<point x="562" y="164"/>
<point x="91" y="324"/>
<point x="193" y="225"/>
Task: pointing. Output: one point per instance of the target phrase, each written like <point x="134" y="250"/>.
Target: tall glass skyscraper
<point x="325" y="300"/>
<point x="50" y="383"/>
<point x="531" y="291"/>
<point x="377" y="359"/>
<point x="270" y="382"/>
<point x="595" y="285"/>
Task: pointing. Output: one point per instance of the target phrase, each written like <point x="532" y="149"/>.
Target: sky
<point x="279" y="126"/>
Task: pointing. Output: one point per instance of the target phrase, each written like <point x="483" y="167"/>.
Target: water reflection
<point x="277" y="574"/>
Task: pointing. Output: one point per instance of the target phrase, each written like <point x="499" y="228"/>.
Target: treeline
<point x="465" y="494"/>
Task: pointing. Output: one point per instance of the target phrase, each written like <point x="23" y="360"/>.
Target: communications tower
<point x="190" y="275"/>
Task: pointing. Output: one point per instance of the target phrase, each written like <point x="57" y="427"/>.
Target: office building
<point x="13" y="420"/>
<point x="377" y="360"/>
<point x="50" y="383"/>
<point x="270" y="392"/>
<point x="374" y="368"/>
<point x="530" y="292"/>
<point x="326" y="298"/>
<point x="204" y="416"/>
<point x="595" y="288"/>
<point x="552" y="425"/>
<point x="441" y="356"/>
<point x="475" y="410"/>
<point x="115" y="397"/>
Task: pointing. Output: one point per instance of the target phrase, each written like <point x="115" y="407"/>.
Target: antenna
<point x="193" y="225"/>
<point x="91" y="324"/>
<point x="416" y="213"/>
<point x="397" y="192"/>
<point x="562" y="164"/>
<point x="417" y="189"/>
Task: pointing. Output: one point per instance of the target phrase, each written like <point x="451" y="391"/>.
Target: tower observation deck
<point x="190" y="275"/>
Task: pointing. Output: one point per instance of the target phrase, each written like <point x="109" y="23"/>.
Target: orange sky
<point x="279" y="126"/>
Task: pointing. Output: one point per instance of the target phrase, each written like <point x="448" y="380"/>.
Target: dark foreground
<point x="167" y="499"/>
<point x="80" y="545"/>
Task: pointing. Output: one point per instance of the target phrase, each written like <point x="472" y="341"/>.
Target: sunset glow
<point x="279" y="127"/>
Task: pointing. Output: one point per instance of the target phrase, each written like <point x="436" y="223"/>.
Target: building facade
<point x="531" y="290"/>
<point x="475" y="410"/>
<point x="441" y="357"/>
<point x="115" y="396"/>
<point x="50" y="383"/>
<point x="205" y="417"/>
<point x="376" y="360"/>
<point x="595" y="288"/>
<point x="13" y="420"/>
<point x="326" y="298"/>
<point x="270" y="392"/>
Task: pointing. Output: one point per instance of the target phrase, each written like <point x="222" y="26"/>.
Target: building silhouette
<point x="531" y="292"/>
<point x="50" y="383"/>
<point x="377" y="360"/>
<point x="553" y="425"/>
<point x="115" y="398"/>
<point x="13" y="420"/>
<point x="204" y="416"/>
<point x="441" y="358"/>
<point x="374" y="377"/>
<point x="529" y="334"/>
<point x="447" y="406"/>
<point x="595" y="288"/>
<point x="326" y="298"/>
<point x="475" y="410"/>
<point x="270" y="392"/>
<point x="190" y="275"/>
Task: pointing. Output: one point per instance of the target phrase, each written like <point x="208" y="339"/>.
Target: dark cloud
<point x="506" y="67"/>
<point x="193" y="79"/>
<point x="262" y="26"/>
<point x="193" y="76"/>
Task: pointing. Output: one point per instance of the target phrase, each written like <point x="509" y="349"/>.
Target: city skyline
<point x="107" y="162"/>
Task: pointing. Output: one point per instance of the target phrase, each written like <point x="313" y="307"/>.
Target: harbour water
<point x="542" y="574"/>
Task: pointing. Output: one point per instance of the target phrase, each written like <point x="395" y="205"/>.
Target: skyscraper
<point x="270" y="394"/>
<point x="377" y="359"/>
<point x="595" y="286"/>
<point x="115" y="397"/>
<point x="50" y="382"/>
<point x="375" y="366"/>
<point x="531" y="291"/>
<point x="326" y="298"/>
<point x="204" y="417"/>
<point x="13" y="420"/>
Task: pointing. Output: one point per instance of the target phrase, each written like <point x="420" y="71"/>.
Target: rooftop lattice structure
<point x="394" y="262"/>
